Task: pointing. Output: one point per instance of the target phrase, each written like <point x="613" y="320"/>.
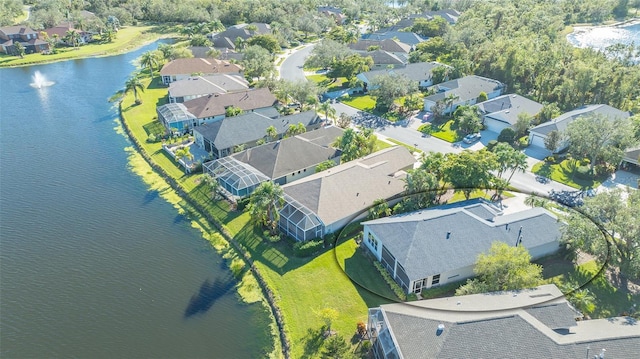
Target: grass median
<point x="302" y="286"/>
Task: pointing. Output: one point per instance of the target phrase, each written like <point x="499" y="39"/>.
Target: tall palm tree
<point x="449" y="100"/>
<point x="134" y="84"/>
<point x="296" y="129"/>
<point x="149" y="59"/>
<point x="328" y="110"/>
<point x="265" y="203"/>
<point x="73" y="37"/>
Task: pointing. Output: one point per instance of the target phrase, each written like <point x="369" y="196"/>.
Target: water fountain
<point x="39" y="81"/>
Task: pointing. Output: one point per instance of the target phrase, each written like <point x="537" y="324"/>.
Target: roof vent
<point x="448" y="235"/>
<point x="440" y="329"/>
<point x="458" y="302"/>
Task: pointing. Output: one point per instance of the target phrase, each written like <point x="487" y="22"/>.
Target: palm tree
<point x="265" y="203"/>
<point x="184" y="153"/>
<point x="134" y="84"/>
<point x="327" y="109"/>
<point x="19" y="49"/>
<point x="73" y="37"/>
<point x="379" y="209"/>
<point x="296" y="129"/>
<point x="149" y="59"/>
<point x="272" y="133"/>
<point x="583" y="300"/>
<point x="449" y="100"/>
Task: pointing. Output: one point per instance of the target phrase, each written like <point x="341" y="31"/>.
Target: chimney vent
<point x="448" y="235"/>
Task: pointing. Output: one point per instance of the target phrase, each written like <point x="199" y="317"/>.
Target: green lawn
<point x="409" y="147"/>
<point x="302" y="286"/>
<point x="445" y="132"/>
<point x="610" y="301"/>
<point x="361" y="102"/>
<point x="329" y="83"/>
<point x="127" y="38"/>
<point x="562" y="172"/>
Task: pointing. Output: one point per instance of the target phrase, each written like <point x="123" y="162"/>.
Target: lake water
<point x="602" y="37"/>
<point x="92" y="264"/>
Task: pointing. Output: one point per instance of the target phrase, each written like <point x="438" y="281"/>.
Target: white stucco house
<point x="503" y="111"/>
<point x="440" y="245"/>
<point x="463" y="91"/>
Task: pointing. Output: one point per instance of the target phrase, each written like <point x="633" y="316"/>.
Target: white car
<point x="472" y="137"/>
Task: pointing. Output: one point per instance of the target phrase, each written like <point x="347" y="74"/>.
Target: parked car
<point x="472" y="137"/>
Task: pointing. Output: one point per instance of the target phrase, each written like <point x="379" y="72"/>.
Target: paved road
<point x="291" y="67"/>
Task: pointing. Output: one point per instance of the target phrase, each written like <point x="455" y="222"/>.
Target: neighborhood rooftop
<point x="465" y="88"/>
<point x="352" y="187"/>
<point x="561" y="122"/>
<point x="198" y="65"/>
<point x="216" y="104"/>
<point x="506" y="108"/>
<point x="499" y="325"/>
<point x="458" y="234"/>
<point x="415" y="71"/>
<point x="201" y="85"/>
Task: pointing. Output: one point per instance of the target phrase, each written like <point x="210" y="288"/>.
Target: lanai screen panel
<point x="175" y="112"/>
<point x="239" y="178"/>
<point x="298" y="221"/>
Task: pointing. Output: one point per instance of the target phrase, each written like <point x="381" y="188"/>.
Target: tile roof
<point x="216" y="104"/>
<point x="208" y="66"/>
<point x="446" y="238"/>
<point x="204" y="85"/>
<point x="280" y="158"/>
<point x="466" y="88"/>
<point x="249" y="127"/>
<point x="506" y="108"/>
<point x="352" y="187"/>
<point x="504" y="328"/>
<point x="561" y="122"/>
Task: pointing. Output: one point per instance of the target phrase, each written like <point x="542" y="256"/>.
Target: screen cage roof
<point x="238" y="175"/>
<point x="175" y="112"/>
<point x="299" y="215"/>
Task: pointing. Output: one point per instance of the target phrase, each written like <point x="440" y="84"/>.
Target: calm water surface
<point x="91" y="263"/>
<point x="601" y="37"/>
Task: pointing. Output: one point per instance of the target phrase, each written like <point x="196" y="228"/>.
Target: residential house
<point x="410" y="38"/>
<point x="198" y="86"/>
<point x="538" y="134"/>
<point x="180" y="69"/>
<point x="450" y="15"/>
<point x="631" y="158"/>
<point x="528" y="323"/>
<point x="282" y="161"/>
<point x="213" y="107"/>
<point x="226" y="54"/>
<point x="440" y="245"/>
<point x="223" y="138"/>
<point x="503" y="111"/>
<point x="29" y="39"/>
<point x="422" y="72"/>
<point x="227" y="38"/>
<point x="325" y="202"/>
<point x="333" y="12"/>
<point x="463" y="91"/>
<point x="60" y="31"/>
<point x="387" y="52"/>
<point x="176" y="118"/>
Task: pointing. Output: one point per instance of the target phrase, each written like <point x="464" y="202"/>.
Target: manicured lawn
<point x="445" y="132"/>
<point x="127" y="38"/>
<point x="609" y="300"/>
<point x="562" y="172"/>
<point x="329" y="83"/>
<point x="361" y="102"/>
<point x="381" y="145"/>
<point x="302" y="286"/>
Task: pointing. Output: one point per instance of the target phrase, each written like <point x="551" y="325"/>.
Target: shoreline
<point x="578" y="28"/>
<point x="280" y="339"/>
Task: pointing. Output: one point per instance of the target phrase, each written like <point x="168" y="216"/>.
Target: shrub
<point x="237" y="267"/>
<point x="582" y="172"/>
<point x="604" y="169"/>
<point x="507" y="135"/>
<point x="387" y="278"/>
<point x="242" y="204"/>
<point x="307" y="248"/>
<point x="523" y="141"/>
<point x="425" y="128"/>
<point x="551" y="159"/>
<point x="491" y="145"/>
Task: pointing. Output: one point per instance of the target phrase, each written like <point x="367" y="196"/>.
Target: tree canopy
<point x="389" y="87"/>
<point x="265" y="203"/>
<point x="503" y="267"/>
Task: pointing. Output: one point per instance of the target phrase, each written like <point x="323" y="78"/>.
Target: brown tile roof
<point x="199" y="65"/>
<point x="215" y="105"/>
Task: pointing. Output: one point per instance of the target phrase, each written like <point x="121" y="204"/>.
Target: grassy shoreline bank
<point x="299" y="287"/>
<point x="128" y="39"/>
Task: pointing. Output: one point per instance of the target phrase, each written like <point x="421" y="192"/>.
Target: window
<point x="373" y="242"/>
<point x="435" y="279"/>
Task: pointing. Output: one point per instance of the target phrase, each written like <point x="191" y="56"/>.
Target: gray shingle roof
<point x="188" y="66"/>
<point x="416" y="71"/>
<point x="555" y="315"/>
<point x="278" y="159"/>
<point x="386" y="45"/>
<point x="466" y="88"/>
<point x="506" y="108"/>
<point x="409" y="38"/>
<point x="352" y="187"/>
<point x="509" y="333"/>
<point x="561" y="122"/>
<point x="249" y="127"/>
<point x="419" y="240"/>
